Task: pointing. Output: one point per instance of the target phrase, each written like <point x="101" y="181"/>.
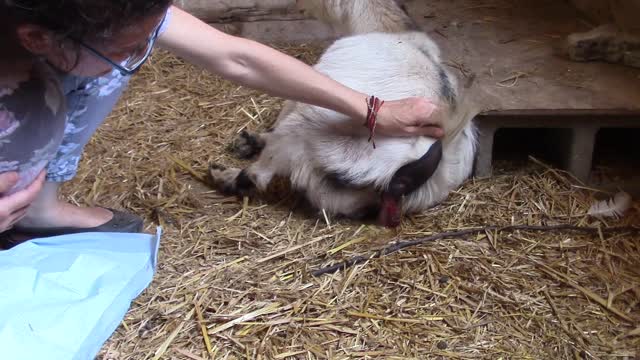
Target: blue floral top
<point x="47" y="118"/>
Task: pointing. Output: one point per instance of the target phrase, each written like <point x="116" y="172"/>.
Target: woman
<point x="96" y="45"/>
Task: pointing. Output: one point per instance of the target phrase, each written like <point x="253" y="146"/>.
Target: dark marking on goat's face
<point x="341" y="181"/>
<point x="446" y="87"/>
<point x="406" y="180"/>
<point x="414" y="174"/>
<point x="337" y="180"/>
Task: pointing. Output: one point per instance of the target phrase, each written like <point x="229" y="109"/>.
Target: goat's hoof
<point x="215" y="174"/>
<point x="246" y="145"/>
<point x="216" y="167"/>
<point x="224" y="179"/>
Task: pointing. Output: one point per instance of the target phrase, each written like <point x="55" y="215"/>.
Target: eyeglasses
<point x="133" y="62"/>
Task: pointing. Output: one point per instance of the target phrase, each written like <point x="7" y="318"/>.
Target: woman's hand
<point x="14" y="207"/>
<point x="408" y="117"/>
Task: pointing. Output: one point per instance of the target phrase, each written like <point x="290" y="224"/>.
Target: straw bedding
<point x="234" y="278"/>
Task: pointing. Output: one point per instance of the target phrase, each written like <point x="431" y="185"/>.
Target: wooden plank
<point x="220" y="11"/>
<point x="509" y="46"/>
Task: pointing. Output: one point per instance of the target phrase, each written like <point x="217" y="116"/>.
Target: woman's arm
<point x="260" y="67"/>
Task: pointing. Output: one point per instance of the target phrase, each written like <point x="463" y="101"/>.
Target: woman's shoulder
<point x="32" y="119"/>
<point x="31" y="89"/>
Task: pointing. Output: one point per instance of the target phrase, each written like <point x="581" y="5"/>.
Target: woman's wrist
<point x="356" y="106"/>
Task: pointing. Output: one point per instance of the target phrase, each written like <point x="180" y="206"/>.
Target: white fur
<point x="309" y="142"/>
<point x="358" y="16"/>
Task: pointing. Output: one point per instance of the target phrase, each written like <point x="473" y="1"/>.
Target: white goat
<point x="327" y="155"/>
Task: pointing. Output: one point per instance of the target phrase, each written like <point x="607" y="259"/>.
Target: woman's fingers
<point x="24" y="197"/>
<point x="15" y="206"/>
<point x="17" y="216"/>
<point x="7" y="181"/>
<point x="430" y="131"/>
<point x="414" y="116"/>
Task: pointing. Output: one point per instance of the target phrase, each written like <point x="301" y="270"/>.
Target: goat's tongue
<point x="389" y="215"/>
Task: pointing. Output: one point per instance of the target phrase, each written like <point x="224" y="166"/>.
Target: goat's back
<point x="391" y="67"/>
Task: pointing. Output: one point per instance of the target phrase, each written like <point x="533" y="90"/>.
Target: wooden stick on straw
<point x="451" y="234"/>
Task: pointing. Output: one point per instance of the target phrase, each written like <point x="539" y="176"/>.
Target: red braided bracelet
<point x="373" y="106"/>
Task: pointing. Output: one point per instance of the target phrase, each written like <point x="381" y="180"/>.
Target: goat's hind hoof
<point x="230" y="181"/>
<point x="215" y="174"/>
<point x="220" y="178"/>
<point x="246" y="145"/>
<point x="216" y="167"/>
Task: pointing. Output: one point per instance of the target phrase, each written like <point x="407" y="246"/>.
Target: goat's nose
<point x="399" y="186"/>
<point x="390" y="211"/>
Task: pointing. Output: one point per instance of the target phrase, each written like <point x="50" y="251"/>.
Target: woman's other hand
<point x="14" y="207"/>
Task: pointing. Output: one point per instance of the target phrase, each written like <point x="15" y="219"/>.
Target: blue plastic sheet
<point x="63" y="297"/>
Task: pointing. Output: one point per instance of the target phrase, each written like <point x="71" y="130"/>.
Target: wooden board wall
<point x="624" y="13"/>
<point x="240" y="10"/>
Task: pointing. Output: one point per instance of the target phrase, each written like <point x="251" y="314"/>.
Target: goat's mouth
<point x="390" y="214"/>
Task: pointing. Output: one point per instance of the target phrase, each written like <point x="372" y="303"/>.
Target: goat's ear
<point x="414" y="174"/>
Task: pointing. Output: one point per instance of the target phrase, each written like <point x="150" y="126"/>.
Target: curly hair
<point x="80" y="18"/>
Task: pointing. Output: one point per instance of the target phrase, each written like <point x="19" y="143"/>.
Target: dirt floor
<point x="234" y="279"/>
